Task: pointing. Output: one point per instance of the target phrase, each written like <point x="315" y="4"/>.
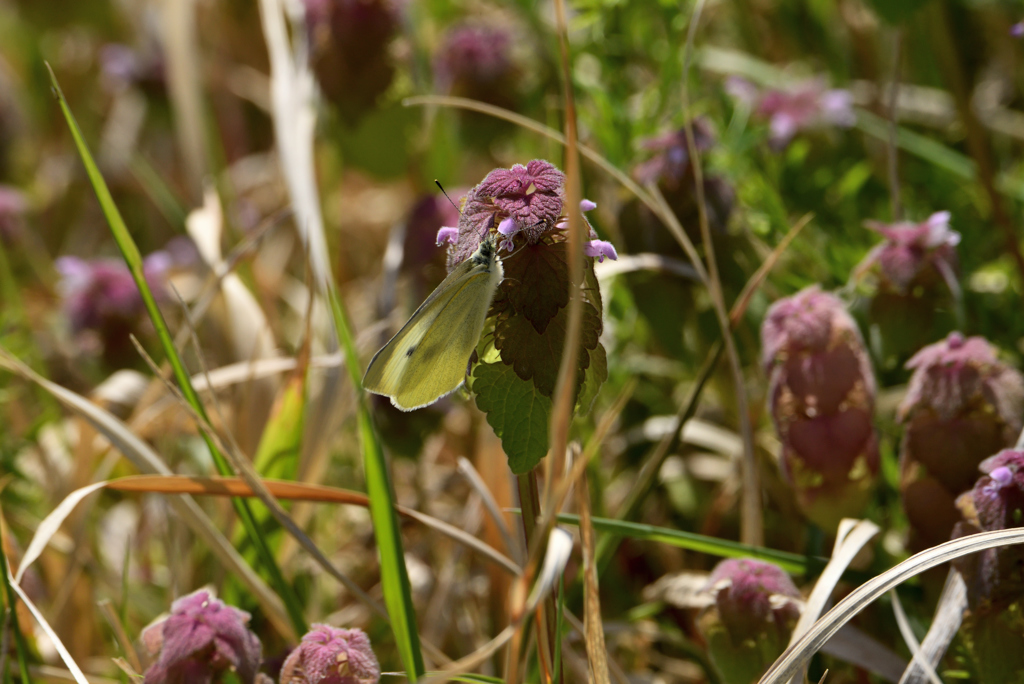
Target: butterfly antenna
<point x="441" y="188"/>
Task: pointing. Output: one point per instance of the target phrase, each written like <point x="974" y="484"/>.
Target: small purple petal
<point x="600" y="249"/>
<point x="1017" y="30"/>
<point x="508" y="226"/>
<point x="447" y="234"/>
<point x="1001" y="476"/>
<point x="506" y="246"/>
<point x="587" y="205"/>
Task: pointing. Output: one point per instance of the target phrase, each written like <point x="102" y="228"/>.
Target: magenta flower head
<point x="994" y="619"/>
<point x="329" y="655"/>
<point x="101" y="301"/>
<point x="475" y="60"/>
<point x="201" y="640"/>
<point x="962" y="405"/>
<point x="672" y="169"/>
<point x="756" y="605"/>
<point x="821" y="397"/>
<point x="12" y="213"/>
<point x="522" y="209"/>
<point x="913" y="252"/>
<point x="350" y="51"/>
<point x="803" y="106"/>
<point x="101" y="292"/>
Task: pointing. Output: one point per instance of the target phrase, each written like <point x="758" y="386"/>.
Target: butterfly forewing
<point x="427" y="358"/>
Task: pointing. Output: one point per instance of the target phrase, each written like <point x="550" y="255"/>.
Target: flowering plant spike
<point x="329" y="655"/>
<point x="910" y="278"/>
<point x="994" y="620"/>
<point x="201" y="640"/>
<point x="821" y="397"/>
<point x="961" y="406"/>
<point x="756" y="605"/>
<point x="523" y="209"/>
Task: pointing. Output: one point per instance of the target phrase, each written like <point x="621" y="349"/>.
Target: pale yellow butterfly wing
<point x="427" y="358"/>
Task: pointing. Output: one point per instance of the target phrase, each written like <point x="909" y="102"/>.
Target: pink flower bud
<point x="329" y="655"/>
<point x="802" y="106"/>
<point x="821" y="397"/>
<point x="755" y="608"/>
<point x="200" y="640"/>
<point x="962" y="405"/>
<point x="912" y="252"/>
<point x="995" y="584"/>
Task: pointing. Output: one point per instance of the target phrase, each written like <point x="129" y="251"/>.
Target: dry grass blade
<point x="559" y="548"/>
<point x="645" y="261"/>
<point x="512" y="545"/>
<point x="146" y="460"/>
<point x="298" y="491"/>
<point x="292" y="92"/>
<point x="850" y="539"/>
<point x="798" y="654"/>
<point x="859" y="648"/>
<point x="597" y="653"/>
<point x="57" y="643"/>
<point x="123" y="640"/>
<point x="243" y="466"/>
<point x="907" y="632"/>
<point x="948" y="616"/>
<point x="739" y="307"/>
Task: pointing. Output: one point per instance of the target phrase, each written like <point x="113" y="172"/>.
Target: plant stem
<point x="529" y="501"/>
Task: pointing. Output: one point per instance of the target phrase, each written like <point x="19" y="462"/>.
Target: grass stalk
<point x="133" y="259"/>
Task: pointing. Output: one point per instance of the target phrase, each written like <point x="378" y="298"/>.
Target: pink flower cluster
<point x="821" y="396"/>
<point x="802" y="106"/>
<point x="204" y="638"/>
<point x="911" y="248"/>
<point x="524" y="201"/>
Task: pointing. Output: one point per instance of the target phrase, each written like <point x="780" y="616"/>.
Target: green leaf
<point x="790" y="562"/>
<point x="516" y="411"/>
<point x="530" y="312"/>
<point x="393" y="572"/>
<point x="536" y="283"/>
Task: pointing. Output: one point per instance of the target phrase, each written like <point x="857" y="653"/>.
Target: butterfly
<point x="427" y="358"/>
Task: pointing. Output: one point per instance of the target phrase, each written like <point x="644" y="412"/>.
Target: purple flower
<point x="200" y="640"/>
<point x="756" y="606"/>
<point x="1017" y="30"/>
<point x="802" y="106"/>
<point x="351" y="51"/>
<point x="101" y="292"/>
<point x="600" y="249"/>
<point x="524" y="201"/>
<point x="962" y="405"/>
<point x="329" y="655"/>
<point x="474" y="57"/>
<point x="671" y="162"/>
<point x="910" y="249"/>
<point x="12" y="212"/>
<point x="821" y="397"/>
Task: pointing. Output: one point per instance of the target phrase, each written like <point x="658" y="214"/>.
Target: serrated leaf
<point x="516" y="412"/>
<point x="534" y="355"/>
<point x="596" y="375"/>
<point x="536" y="283"/>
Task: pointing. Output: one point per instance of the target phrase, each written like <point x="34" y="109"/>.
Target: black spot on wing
<point x="409" y="351"/>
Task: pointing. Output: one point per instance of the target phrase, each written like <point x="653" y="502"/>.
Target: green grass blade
<point x="11" y="600"/>
<point x="133" y="259"/>
<point x="394" y="575"/>
<point x="790" y="562"/>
